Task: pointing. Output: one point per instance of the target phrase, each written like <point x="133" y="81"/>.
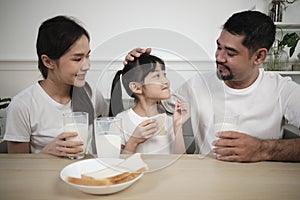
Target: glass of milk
<point x="108" y="134"/>
<point x="77" y="122"/>
<point x="226" y="122"/>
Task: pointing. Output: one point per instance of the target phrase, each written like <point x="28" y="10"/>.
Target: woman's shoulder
<point x="22" y="100"/>
<point x="26" y="93"/>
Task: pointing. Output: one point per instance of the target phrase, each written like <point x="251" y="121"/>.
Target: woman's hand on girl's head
<point x="135" y="53"/>
<point x="60" y="146"/>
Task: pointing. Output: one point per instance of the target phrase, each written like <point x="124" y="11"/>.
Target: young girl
<point x="34" y="119"/>
<point x="146" y="128"/>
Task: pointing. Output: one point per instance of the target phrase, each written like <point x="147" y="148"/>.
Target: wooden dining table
<point x="37" y="176"/>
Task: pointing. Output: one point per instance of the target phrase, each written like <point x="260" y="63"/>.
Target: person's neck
<point x="145" y="109"/>
<point x="244" y="83"/>
<point x="59" y="93"/>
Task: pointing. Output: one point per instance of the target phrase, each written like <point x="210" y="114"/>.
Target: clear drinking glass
<point x="77" y="122"/>
<point x="108" y="137"/>
<point x="226" y="123"/>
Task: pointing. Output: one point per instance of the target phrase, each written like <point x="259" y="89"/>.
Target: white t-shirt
<point x="33" y="116"/>
<point x="261" y="107"/>
<point x="158" y="144"/>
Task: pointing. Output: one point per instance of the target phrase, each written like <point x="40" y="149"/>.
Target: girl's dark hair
<point x="55" y="37"/>
<point x="134" y="71"/>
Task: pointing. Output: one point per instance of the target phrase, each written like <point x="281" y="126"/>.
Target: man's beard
<point x="224" y="77"/>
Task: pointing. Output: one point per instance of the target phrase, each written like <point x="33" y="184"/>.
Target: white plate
<point x="90" y="165"/>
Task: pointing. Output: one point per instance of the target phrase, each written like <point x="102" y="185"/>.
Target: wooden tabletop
<point x="36" y="176"/>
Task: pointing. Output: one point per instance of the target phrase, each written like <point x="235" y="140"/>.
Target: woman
<point x="34" y="119"/>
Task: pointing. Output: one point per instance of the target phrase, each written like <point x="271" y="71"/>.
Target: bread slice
<point x="125" y="171"/>
<point x="80" y="181"/>
<point x="161" y="120"/>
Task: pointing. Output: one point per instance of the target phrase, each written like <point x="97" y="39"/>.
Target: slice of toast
<point x="115" y="174"/>
<point x="161" y="120"/>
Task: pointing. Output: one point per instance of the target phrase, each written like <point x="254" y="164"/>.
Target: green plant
<point x="277" y="7"/>
<point x="278" y="58"/>
<point x="289" y="40"/>
<point x="4" y="102"/>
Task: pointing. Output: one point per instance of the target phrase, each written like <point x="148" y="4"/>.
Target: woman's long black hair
<point x="55" y="37"/>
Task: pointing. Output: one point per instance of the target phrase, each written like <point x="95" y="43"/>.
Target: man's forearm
<point x="281" y="150"/>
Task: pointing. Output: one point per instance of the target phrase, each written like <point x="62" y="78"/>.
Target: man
<point x="262" y="100"/>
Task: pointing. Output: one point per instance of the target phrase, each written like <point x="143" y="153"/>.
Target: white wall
<point x="180" y="31"/>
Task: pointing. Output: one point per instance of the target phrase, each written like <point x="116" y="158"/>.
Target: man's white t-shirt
<point x="158" y="144"/>
<point x="261" y="107"/>
<point x="33" y="116"/>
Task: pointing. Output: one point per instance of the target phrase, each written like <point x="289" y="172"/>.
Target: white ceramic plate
<point x="90" y="165"/>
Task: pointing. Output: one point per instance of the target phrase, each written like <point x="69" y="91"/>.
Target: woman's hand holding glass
<point x="60" y="146"/>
